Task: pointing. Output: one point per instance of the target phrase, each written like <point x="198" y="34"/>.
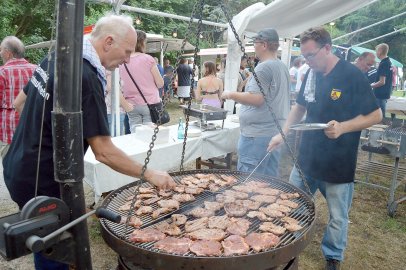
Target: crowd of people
<point x="347" y="97"/>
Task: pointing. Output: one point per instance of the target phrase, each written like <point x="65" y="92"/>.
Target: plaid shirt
<point x="14" y="75"/>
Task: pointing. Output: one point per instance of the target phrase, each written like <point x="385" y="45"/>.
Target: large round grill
<point x="144" y="254"/>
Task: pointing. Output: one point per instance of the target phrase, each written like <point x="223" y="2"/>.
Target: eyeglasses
<point x="311" y="56"/>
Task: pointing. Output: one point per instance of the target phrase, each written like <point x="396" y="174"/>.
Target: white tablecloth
<point x="396" y="105"/>
<point x="164" y="156"/>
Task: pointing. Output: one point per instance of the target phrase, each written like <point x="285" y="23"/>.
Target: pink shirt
<point x="140" y="68"/>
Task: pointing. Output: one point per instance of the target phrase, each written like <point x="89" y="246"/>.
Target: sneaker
<point x="332" y="264"/>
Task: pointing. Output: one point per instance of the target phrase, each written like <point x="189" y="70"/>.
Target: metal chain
<point x="303" y="178"/>
<point x="156" y="129"/>
<point x="199" y="29"/>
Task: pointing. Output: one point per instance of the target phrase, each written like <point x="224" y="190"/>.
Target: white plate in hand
<point x="309" y="126"/>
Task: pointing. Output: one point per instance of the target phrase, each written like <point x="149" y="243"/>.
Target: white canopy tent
<point x="289" y="18"/>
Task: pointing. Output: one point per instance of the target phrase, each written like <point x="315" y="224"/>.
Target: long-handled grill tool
<point x="259" y="164"/>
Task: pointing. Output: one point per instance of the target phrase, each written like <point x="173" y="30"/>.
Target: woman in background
<point x="209" y="88"/>
<point x="145" y="72"/>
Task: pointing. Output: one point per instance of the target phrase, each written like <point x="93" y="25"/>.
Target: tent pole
<point x="388" y="34"/>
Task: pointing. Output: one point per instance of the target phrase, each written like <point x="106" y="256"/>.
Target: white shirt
<point x="302" y="71"/>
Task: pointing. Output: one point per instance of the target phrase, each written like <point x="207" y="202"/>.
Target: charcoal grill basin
<point x="146" y="255"/>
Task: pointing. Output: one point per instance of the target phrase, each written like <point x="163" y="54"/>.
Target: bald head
<point x="11" y="47"/>
<point x="114" y="39"/>
<point x="365" y="61"/>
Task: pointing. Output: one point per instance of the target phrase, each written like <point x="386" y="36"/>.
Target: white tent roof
<point x="288" y="17"/>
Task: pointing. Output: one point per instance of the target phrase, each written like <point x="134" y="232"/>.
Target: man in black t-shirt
<point x="336" y="93"/>
<point x="383" y="85"/>
<point x="183" y="74"/>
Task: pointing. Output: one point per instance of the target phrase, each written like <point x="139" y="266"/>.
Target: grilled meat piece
<point x="264" y="198"/>
<point x="165" y="193"/>
<point x="287" y="196"/>
<point x="235" y="209"/>
<point x="257" y="184"/>
<point x="229" y="179"/>
<point x="207" y="234"/>
<point x="197" y="224"/>
<point x="160" y="211"/>
<point x="144" y="210"/>
<point x="151" y="201"/>
<point x="179" y="188"/>
<point x="174" y="245"/>
<point x="200" y="212"/>
<point x="170" y="229"/>
<point x="146" y="196"/>
<point x="238" y="226"/>
<point x="213" y="187"/>
<point x="173" y="204"/>
<point x="179" y="219"/>
<point x="279" y="207"/>
<point x="193" y="190"/>
<point x="134" y="221"/>
<point x="235" y="244"/>
<point x="146" y="235"/>
<point x="146" y="190"/>
<point x="268" y="191"/>
<point x="206" y="248"/>
<point x="289" y="220"/>
<point x="183" y="197"/>
<point x="236" y="194"/>
<point x="272" y="228"/>
<point x="288" y="203"/>
<point x="243" y="188"/>
<point x="127" y="205"/>
<point x="218" y="222"/>
<point x="271" y="212"/>
<point x="261" y="241"/>
<point x="224" y="199"/>
<point x="213" y="206"/>
<point x="292" y="227"/>
<point x="201" y="175"/>
<point x="251" y="205"/>
<point x="261" y="216"/>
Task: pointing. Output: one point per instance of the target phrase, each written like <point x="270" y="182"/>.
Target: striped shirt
<point x="14" y="75"/>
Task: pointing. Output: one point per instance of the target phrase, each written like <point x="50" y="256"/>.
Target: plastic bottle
<point x="181" y="130"/>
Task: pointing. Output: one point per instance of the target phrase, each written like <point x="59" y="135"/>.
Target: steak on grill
<point x="213" y="206"/>
<point x="268" y="191"/>
<point x="287" y="196"/>
<point x="200" y="212"/>
<point x="261" y="241"/>
<point x="207" y="234"/>
<point x="193" y="190"/>
<point x="271" y="212"/>
<point x="264" y="198"/>
<point x="272" y="228"/>
<point x="174" y="245"/>
<point x="183" y="197"/>
<point x="229" y="179"/>
<point x="160" y="211"/>
<point x="279" y="207"/>
<point x="170" y="229"/>
<point x="146" y="235"/>
<point x="224" y="199"/>
<point x="144" y="210"/>
<point x="260" y="215"/>
<point x="219" y="222"/>
<point x="251" y="205"/>
<point x="197" y="224"/>
<point x="206" y="248"/>
<point x="172" y="204"/>
<point x="236" y="194"/>
<point x="151" y="201"/>
<point x="235" y="244"/>
<point x="288" y="203"/>
<point x="235" y="209"/>
<point x="293" y="227"/>
<point x="134" y="221"/>
<point x="179" y="188"/>
<point x="238" y="226"/>
<point x="179" y="219"/>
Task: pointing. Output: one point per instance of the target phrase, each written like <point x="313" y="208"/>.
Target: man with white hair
<point x="109" y="45"/>
<point x="14" y="75"/>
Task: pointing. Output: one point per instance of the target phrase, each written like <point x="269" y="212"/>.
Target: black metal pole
<point x="67" y="122"/>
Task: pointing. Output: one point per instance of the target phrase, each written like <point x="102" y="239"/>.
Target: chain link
<point x="266" y="101"/>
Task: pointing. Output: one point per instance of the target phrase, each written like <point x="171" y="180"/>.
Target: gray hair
<point x="14" y="45"/>
<point x="112" y="25"/>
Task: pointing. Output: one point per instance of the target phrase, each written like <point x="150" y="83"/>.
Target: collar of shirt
<point x="15" y="61"/>
<point x="90" y="54"/>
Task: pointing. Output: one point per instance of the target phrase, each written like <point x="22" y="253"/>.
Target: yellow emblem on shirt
<point x="335" y="94"/>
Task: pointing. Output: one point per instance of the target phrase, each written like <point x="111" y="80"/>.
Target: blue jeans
<point x="339" y="199"/>
<point x="251" y="150"/>
<point x="112" y="132"/>
<point x="382" y="105"/>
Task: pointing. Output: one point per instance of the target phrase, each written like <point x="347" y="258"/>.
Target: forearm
<point x="245" y="98"/>
<point x="294" y="117"/>
<point x="362" y="121"/>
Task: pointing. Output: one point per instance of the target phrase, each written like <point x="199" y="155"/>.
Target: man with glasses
<point x="334" y="92"/>
<point x="256" y="122"/>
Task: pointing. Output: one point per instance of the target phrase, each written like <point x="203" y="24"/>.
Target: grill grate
<point x="304" y="213"/>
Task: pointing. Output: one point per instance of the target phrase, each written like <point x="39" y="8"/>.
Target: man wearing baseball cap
<point x="256" y="122"/>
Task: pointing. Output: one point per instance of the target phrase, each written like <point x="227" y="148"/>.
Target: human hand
<point x="225" y="95"/>
<point x="160" y="179"/>
<point x="334" y="130"/>
<point x="275" y="142"/>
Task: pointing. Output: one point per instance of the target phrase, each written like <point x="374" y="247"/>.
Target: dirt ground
<point x="375" y="240"/>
